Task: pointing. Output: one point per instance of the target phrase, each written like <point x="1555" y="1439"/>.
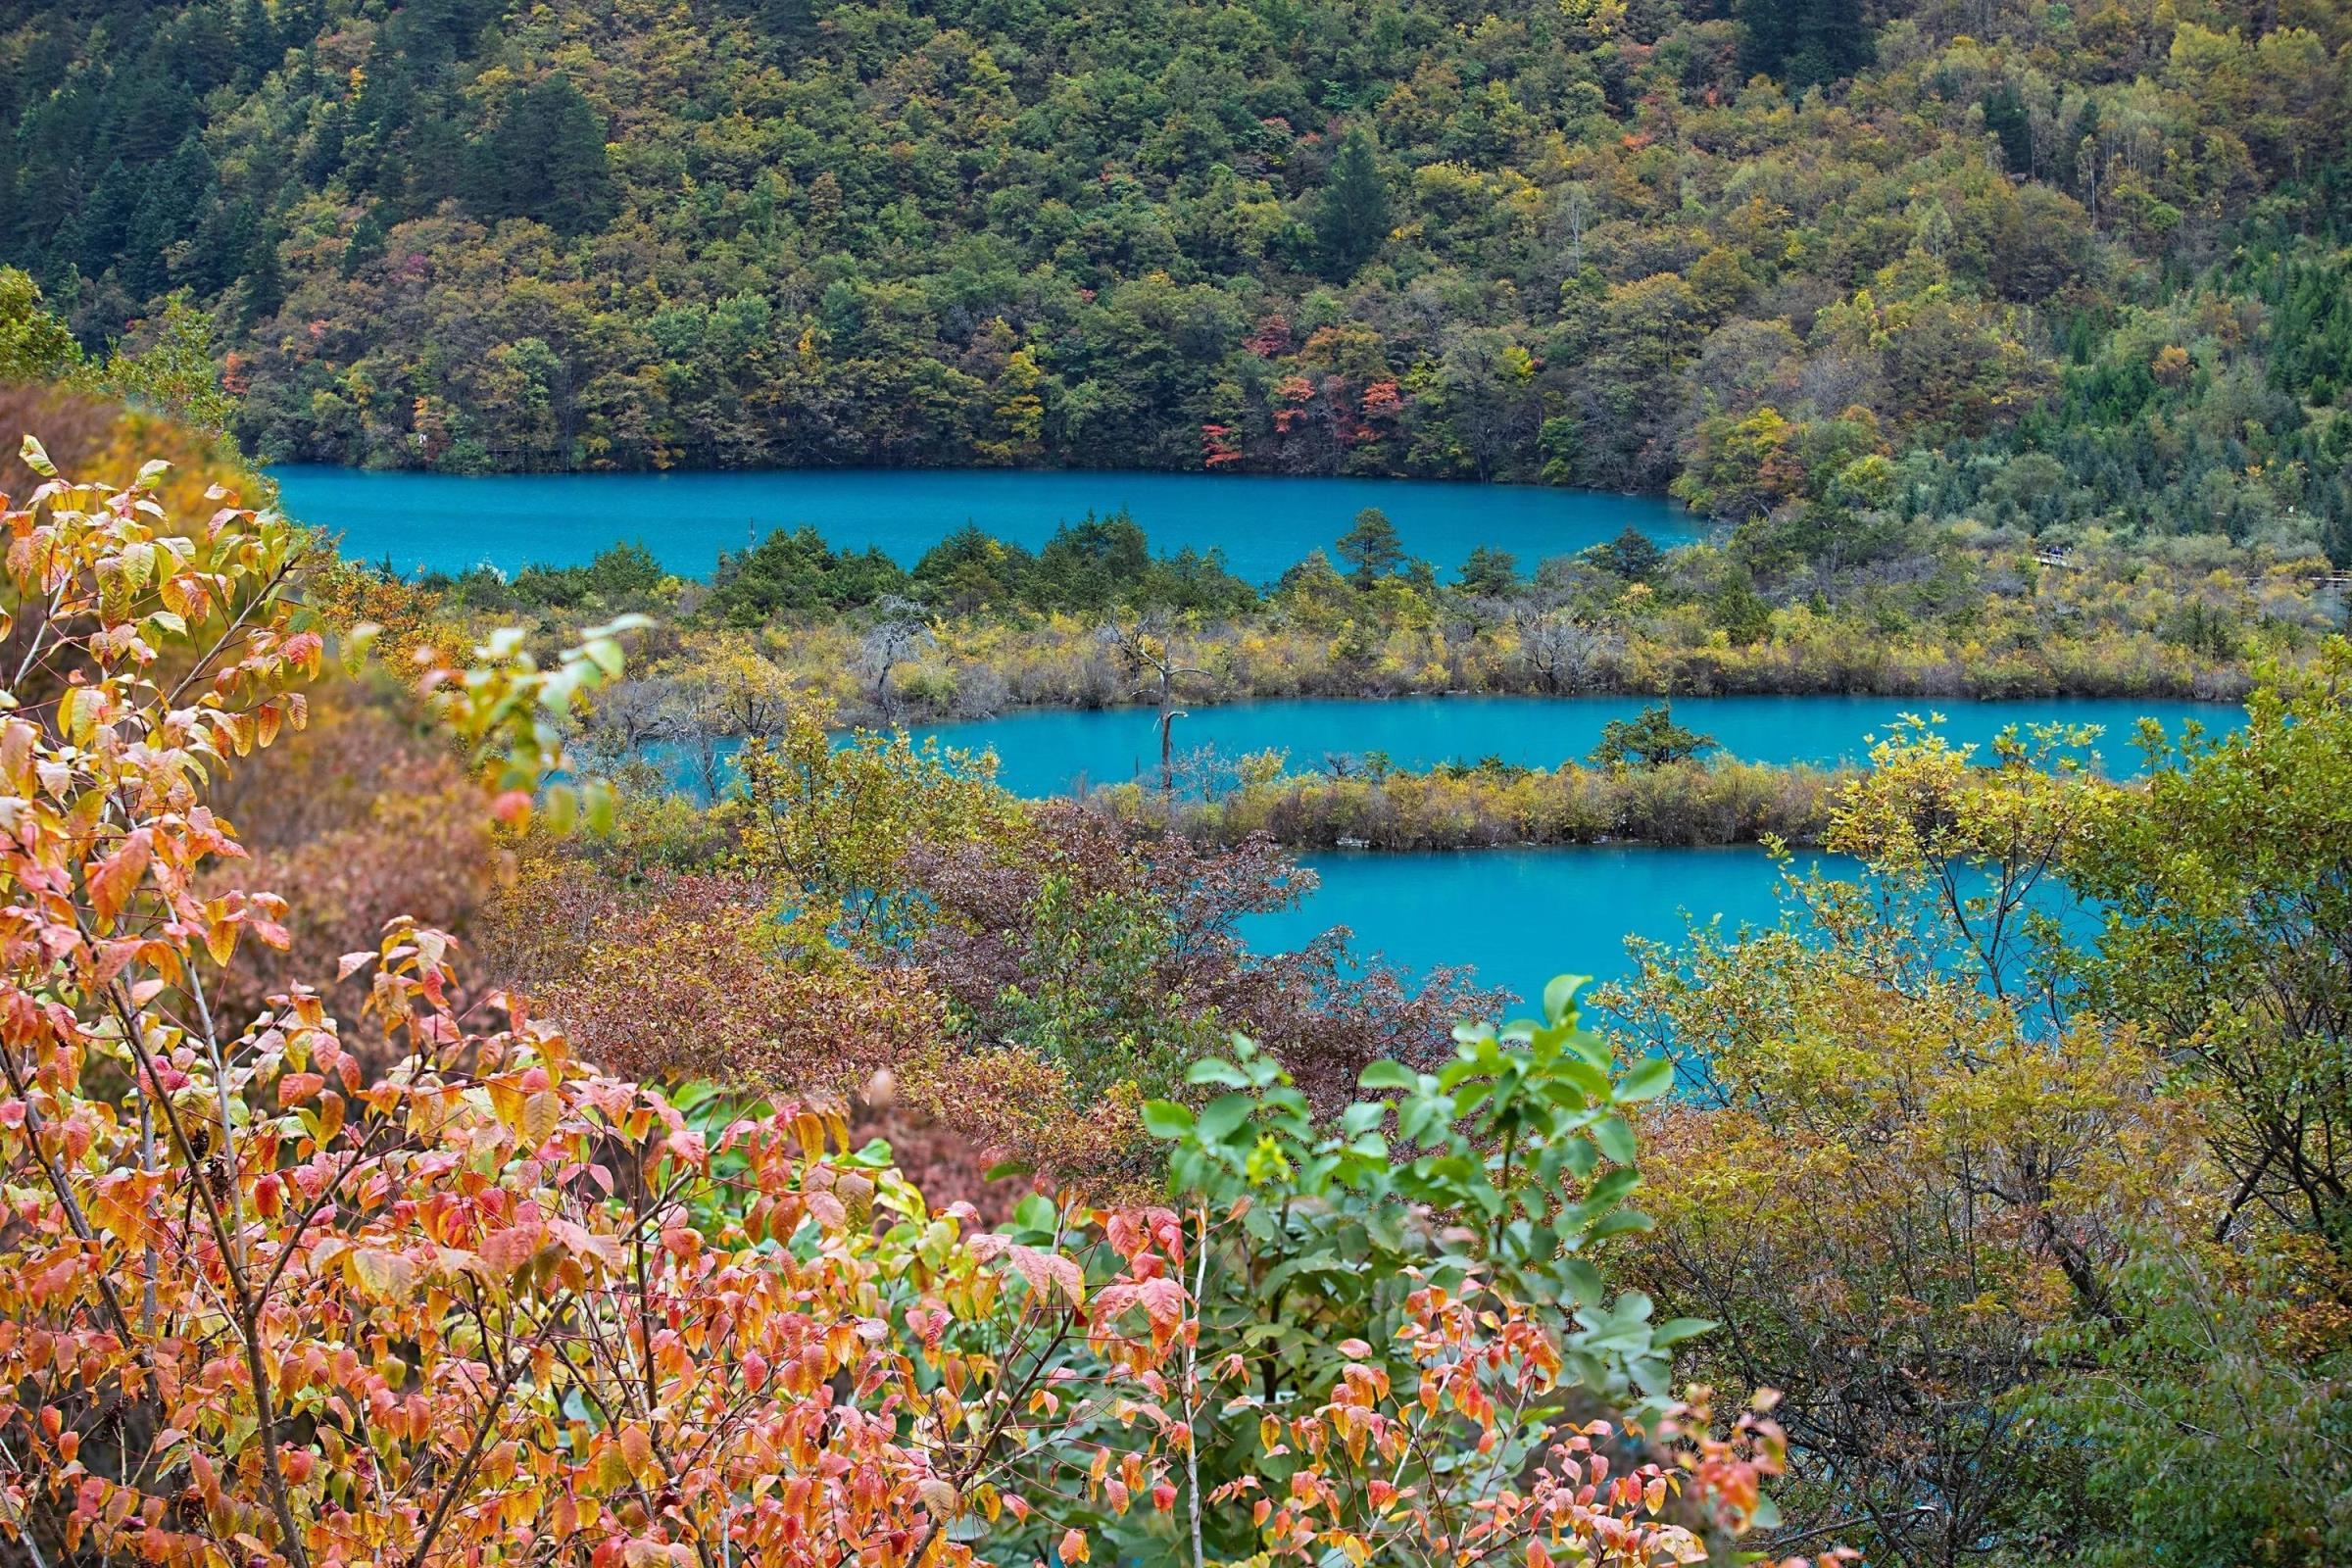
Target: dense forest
<point x="863" y="1166"/>
<point x="502" y="1071"/>
<point x="1804" y="259"/>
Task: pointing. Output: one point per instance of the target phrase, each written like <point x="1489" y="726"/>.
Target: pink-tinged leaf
<point x="1049" y="1272"/>
<point x="114" y="878"/>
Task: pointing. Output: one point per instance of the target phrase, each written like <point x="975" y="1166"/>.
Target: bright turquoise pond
<point x="1521" y="916"/>
<point x="1049" y="752"/>
<point x="1524" y="915"/>
<point x="446" y="522"/>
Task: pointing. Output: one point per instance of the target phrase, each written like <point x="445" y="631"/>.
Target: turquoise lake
<point x="1518" y="915"/>
<point x="1521" y="916"/>
<point x="1049" y="751"/>
<point x="447" y="523"/>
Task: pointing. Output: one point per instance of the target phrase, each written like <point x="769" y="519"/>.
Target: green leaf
<point x="1223" y="1114"/>
<point x="1612" y="1189"/>
<point x="1165" y="1118"/>
<point x="1620" y="1223"/>
<point x="1675" y="1330"/>
<point x="1648" y="1081"/>
<point x="1614" y="1139"/>
<point x="1585" y="1284"/>
<point x="1217" y="1072"/>
<point x="562" y="808"/>
<point x="1389" y="1075"/>
<point x="599" y="805"/>
<point x="1559" y="996"/>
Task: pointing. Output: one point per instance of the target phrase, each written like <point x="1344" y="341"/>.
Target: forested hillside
<point x="2070" y="264"/>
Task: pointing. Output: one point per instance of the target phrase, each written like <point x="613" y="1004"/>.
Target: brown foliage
<point x="360" y="818"/>
<point x="678" y="975"/>
<point x="1322" y="1017"/>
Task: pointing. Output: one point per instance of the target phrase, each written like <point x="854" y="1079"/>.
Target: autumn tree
<point x="492" y="1303"/>
<point x="1891" y="1189"/>
<point x="2225" y="922"/>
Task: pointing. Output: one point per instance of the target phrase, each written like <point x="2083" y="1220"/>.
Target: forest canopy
<point x="1805" y="259"/>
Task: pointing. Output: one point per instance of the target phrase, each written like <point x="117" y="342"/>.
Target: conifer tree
<point x="1354" y="218"/>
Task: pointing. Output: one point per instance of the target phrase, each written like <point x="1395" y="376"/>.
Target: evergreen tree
<point x="1371" y="547"/>
<point x="544" y="158"/>
<point x="791" y="23"/>
<point x="1633" y="555"/>
<point x="1488" y="571"/>
<point x="97" y="233"/>
<point x="265" y="285"/>
<point x="365" y="244"/>
<point x="1652" y="740"/>
<point x="2005" y="117"/>
<point x="174" y="196"/>
<point x="1354" y="218"/>
<point x="260" y="48"/>
<point x="217" y="253"/>
<point x="434" y="158"/>
<point x="1807" y="44"/>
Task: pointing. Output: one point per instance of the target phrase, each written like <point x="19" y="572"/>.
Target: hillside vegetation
<point x="1835" y="265"/>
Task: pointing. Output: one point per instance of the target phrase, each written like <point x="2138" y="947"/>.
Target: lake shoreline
<point x="1265" y="524"/>
<point x="869" y="717"/>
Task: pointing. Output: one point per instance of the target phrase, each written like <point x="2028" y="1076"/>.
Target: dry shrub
<point x="354" y="819"/>
<point x="679" y="976"/>
<point x="91" y="439"/>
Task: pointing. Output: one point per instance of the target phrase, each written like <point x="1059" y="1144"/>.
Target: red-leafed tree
<point x="491" y="1304"/>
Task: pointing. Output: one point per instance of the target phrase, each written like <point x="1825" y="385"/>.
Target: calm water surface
<point x="451" y="523"/>
<point x="1051" y="750"/>
<point x="1521" y="916"/>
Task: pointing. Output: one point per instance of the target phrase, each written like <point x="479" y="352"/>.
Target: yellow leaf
<point x="637" y="1447"/>
<point x="610" y="1470"/>
<point x="381" y="1274"/>
<point x="540" y="1115"/>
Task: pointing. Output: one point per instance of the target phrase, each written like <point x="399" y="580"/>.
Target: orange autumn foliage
<point x="490" y="1305"/>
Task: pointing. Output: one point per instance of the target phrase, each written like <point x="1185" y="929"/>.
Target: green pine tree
<point x="1354" y="218"/>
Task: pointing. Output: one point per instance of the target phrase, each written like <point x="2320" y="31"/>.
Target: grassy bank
<point x="1688" y="803"/>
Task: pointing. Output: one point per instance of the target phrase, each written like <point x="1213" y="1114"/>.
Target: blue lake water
<point x="1051" y="750"/>
<point x="1521" y="916"/>
<point x="447" y="523"/>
